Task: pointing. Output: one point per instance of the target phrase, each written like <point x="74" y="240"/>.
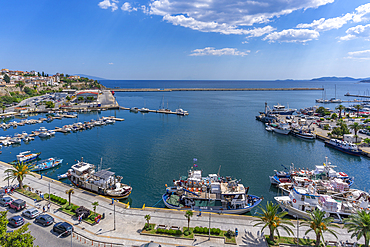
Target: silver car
<point x="31" y="213"/>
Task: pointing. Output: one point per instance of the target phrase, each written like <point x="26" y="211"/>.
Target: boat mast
<point x="218" y="174"/>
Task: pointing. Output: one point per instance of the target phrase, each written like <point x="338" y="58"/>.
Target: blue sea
<point x="150" y="150"/>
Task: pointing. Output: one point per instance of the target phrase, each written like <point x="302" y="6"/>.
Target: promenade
<point x="129" y="222"/>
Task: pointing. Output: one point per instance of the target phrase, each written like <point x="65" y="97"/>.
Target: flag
<point x="195" y="165"/>
<point x="195" y="159"/>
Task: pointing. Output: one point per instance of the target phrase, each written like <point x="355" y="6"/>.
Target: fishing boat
<point x="47" y="164"/>
<point x="102" y="182"/>
<point x="322" y="172"/>
<point x="343" y="146"/>
<point x="27" y="156"/>
<point x="209" y="194"/>
<point x="134" y="109"/>
<point x="144" y="109"/>
<point x="338" y="203"/>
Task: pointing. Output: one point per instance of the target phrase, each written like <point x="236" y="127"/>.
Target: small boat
<point x="27" y="156"/>
<point x="44" y="134"/>
<point x="282" y="128"/>
<point x="304" y="134"/>
<point x="47" y="164"/>
<point x="134" y="109"/>
<point x="181" y="112"/>
<point x="343" y="146"/>
<point x="278" y="109"/>
<point x="144" y="109"/>
<point x="63" y="176"/>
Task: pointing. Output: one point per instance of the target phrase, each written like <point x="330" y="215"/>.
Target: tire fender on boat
<point x="294" y="200"/>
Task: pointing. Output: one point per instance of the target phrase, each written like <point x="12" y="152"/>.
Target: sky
<point x="188" y="39"/>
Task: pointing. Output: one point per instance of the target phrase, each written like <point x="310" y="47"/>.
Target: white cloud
<point x="190" y="22"/>
<point x="127" y="7"/>
<point x="323" y="24"/>
<point x="328" y="24"/>
<point x="359" y="31"/>
<point x="211" y="51"/>
<point x="105" y="4"/>
<point x="365" y="55"/>
<point x="226" y="16"/>
<point x="293" y="35"/>
<point x="110" y="63"/>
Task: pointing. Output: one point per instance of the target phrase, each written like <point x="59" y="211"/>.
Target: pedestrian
<point x="200" y="212"/>
<point x="236" y="232"/>
<point x="80" y="219"/>
<point x="48" y="207"/>
<point x="43" y="209"/>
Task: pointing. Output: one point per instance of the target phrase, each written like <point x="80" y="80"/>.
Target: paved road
<point x="43" y="234"/>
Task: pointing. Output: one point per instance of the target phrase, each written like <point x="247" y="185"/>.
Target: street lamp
<point x="297" y="230"/>
<point x="209" y="227"/>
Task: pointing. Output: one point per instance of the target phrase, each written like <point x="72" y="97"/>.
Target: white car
<point x="31" y="213"/>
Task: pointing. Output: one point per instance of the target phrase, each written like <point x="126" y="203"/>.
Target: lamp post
<point x="114" y="216"/>
<point x="8" y="179"/>
<point x="209" y="227"/>
<point x="297" y="231"/>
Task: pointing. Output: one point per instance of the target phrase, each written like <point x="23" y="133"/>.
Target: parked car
<point x="44" y="219"/>
<point x="31" y="213"/>
<point x="18" y="204"/>
<point x="16" y="221"/>
<point x="63" y="228"/>
<point x="5" y="201"/>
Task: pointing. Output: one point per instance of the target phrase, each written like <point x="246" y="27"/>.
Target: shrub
<point x="186" y="233"/>
<point x="178" y="232"/>
<point x="74" y="208"/>
<point x="172" y="232"/>
<point x="69" y="207"/>
<point x="159" y="230"/>
<point x="230" y="234"/>
<point x="196" y="229"/>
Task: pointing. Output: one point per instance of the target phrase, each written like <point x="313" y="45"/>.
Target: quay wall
<point x="209" y="89"/>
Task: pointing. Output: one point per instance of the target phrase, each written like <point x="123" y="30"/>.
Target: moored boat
<point x="343" y="146"/>
<point x="27" y="156"/>
<point x="47" y="164"/>
<point x="103" y="182"/>
<point x="209" y="194"/>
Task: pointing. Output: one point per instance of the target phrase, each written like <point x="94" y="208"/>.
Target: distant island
<point x="334" y="78"/>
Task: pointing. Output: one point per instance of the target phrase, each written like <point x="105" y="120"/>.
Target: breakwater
<point x="209" y="89"/>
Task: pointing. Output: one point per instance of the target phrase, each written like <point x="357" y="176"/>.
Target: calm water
<point x="150" y="150"/>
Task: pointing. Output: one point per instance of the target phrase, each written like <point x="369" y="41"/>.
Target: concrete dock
<point x="123" y="226"/>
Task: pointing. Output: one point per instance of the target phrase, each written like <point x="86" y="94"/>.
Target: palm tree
<point x="356" y="127"/>
<point x="95" y="204"/>
<point x="70" y="192"/>
<point x="358" y="108"/>
<point x="273" y="220"/>
<point x="19" y="172"/>
<point x="147" y="218"/>
<point x="340" y="108"/>
<point x="359" y="224"/>
<point x="319" y="224"/>
<point x="188" y="215"/>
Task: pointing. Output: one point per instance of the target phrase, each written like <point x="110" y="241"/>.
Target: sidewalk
<point x="129" y="222"/>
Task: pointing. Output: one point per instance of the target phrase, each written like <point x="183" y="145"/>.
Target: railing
<point x="88" y="241"/>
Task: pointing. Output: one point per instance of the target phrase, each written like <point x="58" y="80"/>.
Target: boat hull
<point x="213" y="210"/>
<point x="103" y="194"/>
<point x="356" y="153"/>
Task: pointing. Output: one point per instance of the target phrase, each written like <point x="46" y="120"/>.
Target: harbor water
<point x="150" y="150"/>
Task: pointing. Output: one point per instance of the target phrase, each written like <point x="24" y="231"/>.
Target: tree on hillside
<point x="6" y="78"/>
